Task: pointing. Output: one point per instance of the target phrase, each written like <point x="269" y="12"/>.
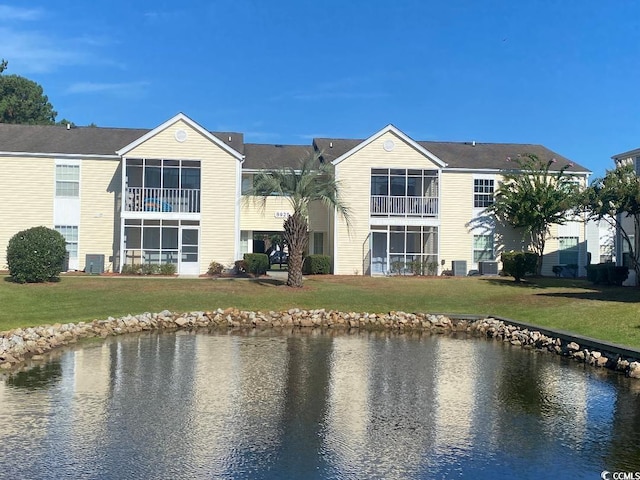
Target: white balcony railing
<point x="385" y="205"/>
<point x="183" y="200"/>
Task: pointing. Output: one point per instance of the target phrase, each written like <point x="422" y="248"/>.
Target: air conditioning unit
<point x="94" y="264"/>
<point x="459" y="268"/>
<point x="488" y="268"/>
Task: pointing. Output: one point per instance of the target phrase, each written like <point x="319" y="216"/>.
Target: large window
<point x="151" y="241"/>
<point x="568" y="250"/>
<point x="404" y="250"/>
<point x="483" y="248"/>
<point x="67" y="180"/>
<point x="483" y="192"/>
<point x="155" y="185"/>
<point x="404" y="192"/>
<point x="70" y="234"/>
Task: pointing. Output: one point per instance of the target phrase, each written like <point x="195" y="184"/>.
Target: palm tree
<point x="313" y="181"/>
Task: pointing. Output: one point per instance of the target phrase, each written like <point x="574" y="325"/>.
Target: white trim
<point x="488" y="171"/>
<point x="236" y="253"/>
<point x="399" y="134"/>
<point x="180" y="117"/>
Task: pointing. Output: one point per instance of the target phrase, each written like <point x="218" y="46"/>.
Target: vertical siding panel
<point x="99" y="231"/>
<point x="27" y="201"/>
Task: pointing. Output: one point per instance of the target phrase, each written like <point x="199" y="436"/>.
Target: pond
<point x="311" y="405"/>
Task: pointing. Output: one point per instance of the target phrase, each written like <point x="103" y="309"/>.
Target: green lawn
<point x="606" y="313"/>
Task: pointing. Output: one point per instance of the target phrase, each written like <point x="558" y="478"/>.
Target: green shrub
<point x="316" y="265"/>
<point x="423" y="267"/>
<point x="215" y="268"/>
<point x="168" y="268"/>
<point x="607" y="274"/>
<point x="256" y="263"/>
<point x="150" y="269"/>
<point x="518" y="264"/>
<point x="36" y="255"/>
<point x="131" y="269"/>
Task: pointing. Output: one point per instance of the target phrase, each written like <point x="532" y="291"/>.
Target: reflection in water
<point x="314" y="405"/>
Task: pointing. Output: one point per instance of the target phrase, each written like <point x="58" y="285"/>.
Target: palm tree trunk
<point x="296" y="236"/>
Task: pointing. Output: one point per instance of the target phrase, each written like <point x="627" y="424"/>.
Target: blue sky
<point x="564" y="74"/>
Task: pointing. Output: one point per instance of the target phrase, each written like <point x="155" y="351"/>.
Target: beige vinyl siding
<point x="456" y="211"/>
<point x="253" y="216"/>
<point x="27" y="197"/>
<point x="99" y="231"/>
<point x="354" y="173"/>
<point x="219" y="170"/>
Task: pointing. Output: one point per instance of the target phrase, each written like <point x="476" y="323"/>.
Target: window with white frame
<point x="568" y="250"/>
<point x="67" y="180"/>
<point x="483" y="189"/>
<point x="70" y="234"/>
<point x="483" y="248"/>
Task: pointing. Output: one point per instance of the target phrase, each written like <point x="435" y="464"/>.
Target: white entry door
<point x="189" y="251"/>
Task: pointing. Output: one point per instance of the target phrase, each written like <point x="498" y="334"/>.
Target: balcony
<point x="177" y="200"/>
<point x="390" y="206"/>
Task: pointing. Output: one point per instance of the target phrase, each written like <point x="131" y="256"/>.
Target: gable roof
<point x="177" y="118"/>
<point x="460" y="155"/>
<point x="52" y="140"/>
<point x="270" y="157"/>
<point x="56" y="140"/>
<point x="493" y="156"/>
<point x="390" y="129"/>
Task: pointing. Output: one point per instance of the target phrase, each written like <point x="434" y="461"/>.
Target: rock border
<point x="22" y="344"/>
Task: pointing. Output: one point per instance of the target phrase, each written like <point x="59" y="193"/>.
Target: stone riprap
<point x="21" y="344"/>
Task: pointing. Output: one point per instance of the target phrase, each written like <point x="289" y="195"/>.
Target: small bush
<point x="316" y="265"/>
<point x="607" y="274"/>
<point x="150" y="269"/>
<point x="215" y="268"/>
<point x="131" y="269"/>
<point x="36" y="255"/>
<point x="168" y="269"/>
<point x="518" y="264"/>
<point x="256" y="263"/>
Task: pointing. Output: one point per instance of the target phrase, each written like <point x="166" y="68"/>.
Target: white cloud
<point x="8" y="13"/>
<point x="348" y="88"/>
<point x="118" y="89"/>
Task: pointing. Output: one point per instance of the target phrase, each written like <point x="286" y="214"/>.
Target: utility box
<point x="459" y="268"/>
<point x="94" y="264"/>
<point x="488" y="268"/>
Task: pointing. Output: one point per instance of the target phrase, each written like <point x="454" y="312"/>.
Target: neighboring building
<point x="631" y="157"/>
<point x="176" y="194"/>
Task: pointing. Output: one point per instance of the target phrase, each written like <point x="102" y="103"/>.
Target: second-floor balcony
<point x="386" y="205"/>
<point x="177" y="200"/>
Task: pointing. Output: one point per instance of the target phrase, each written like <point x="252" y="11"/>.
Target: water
<point x="350" y="406"/>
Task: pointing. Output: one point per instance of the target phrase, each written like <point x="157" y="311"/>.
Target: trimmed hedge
<point x="607" y="274"/>
<point x="256" y="263"/>
<point x="36" y="255"/>
<point x="518" y="264"/>
<point x="316" y="265"/>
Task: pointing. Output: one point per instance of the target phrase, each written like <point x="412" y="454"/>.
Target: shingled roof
<point x="56" y="139"/>
<point x="53" y="139"/>
<point x="463" y="155"/>
<point x="261" y="156"/>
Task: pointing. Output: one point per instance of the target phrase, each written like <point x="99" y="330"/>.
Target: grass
<point x="606" y="313"/>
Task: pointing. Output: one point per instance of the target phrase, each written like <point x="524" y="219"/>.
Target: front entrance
<point x="189" y="246"/>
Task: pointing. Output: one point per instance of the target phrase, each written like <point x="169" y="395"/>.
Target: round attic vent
<point x="181" y="135"/>
<point x="388" y="145"/>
